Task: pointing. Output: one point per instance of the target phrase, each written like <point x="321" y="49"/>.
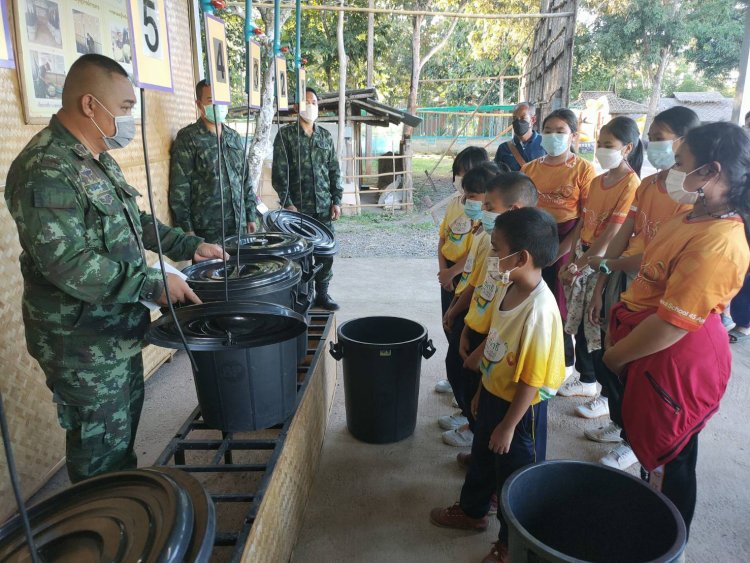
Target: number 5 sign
<point x="216" y="53"/>
<point x="152" y="63"/>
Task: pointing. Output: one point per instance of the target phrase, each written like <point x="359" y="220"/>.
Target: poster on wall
<point x="52" y="34"/>
<point x="253" y="72"/>
<point x="152" y="61"/>
<point x="282" y="89"/>
<point x="302" y="89"/>
<point x="218" y="67"/>
<point x="6" y="48"/>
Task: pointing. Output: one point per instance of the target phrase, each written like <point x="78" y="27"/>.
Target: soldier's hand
<point x="335" y="212"/>
<point x="206" y="251"/>
<point x="251" y="227"/>
<point x="179" y="291"/>
<point x="290" y="208"/>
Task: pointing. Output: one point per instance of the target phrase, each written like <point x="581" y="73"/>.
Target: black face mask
<point x="521" y="127"/>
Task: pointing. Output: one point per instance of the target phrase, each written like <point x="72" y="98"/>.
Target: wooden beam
<point x="475" y="79"/>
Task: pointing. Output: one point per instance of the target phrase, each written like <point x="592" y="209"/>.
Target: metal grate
<point x="236" y="467"/>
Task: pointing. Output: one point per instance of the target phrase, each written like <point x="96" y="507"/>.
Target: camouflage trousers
<point x="99" y="408"/>
<point x="326" y="271"/>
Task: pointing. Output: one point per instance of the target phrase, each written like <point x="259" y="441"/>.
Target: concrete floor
<point x="371" y="503"/>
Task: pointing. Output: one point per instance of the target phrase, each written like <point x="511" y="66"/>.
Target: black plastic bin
<point x="573" y="511"/>
<point x="382" y="361"/>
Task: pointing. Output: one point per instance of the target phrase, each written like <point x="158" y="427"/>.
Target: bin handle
<point x="428" y="350"/>
<point x="336" y="351"/>
<point x="311" y="275"/>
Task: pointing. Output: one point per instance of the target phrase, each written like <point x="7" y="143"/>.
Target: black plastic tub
<point x="382" y="362"/>
<point x="573" y="512"/>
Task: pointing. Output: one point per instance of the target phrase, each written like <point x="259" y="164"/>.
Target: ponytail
<point x="626" y="131"/>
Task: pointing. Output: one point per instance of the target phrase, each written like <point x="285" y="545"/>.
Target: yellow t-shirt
<point x="456" y="229"/>
<point x="480" y="247"/>
<point x="561" y="187"/>
<point x="652" y="207"/>
<point x="606" y="204"/>
<point x="525" y="344"/>
<point x="486" y="294"/>
<point x="690" y="269"/>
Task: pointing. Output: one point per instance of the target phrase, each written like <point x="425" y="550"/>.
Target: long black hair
<point x="476" y="179"/>
<point x="566" y="115"/>
<point x="679" y="119"/>
<point x="469" y="158"/>
<point x="626" y="131"/>
<point x="729" y="145"/>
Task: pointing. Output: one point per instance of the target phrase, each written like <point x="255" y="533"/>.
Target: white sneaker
<point x="575" y="388"/>
<point x="570" y="371"/>
<point x="443" y="386"/>
<point x="458" y="438"/>
<point x="449" y="422"/>
<point x="605" y="434"/>
<point x="454" y="403"/>
<point x="621" y="457"/>
<point x="599" y="406"/>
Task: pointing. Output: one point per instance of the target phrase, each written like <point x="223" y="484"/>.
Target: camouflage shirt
<point x="83" y="239"/>
<point x="194" y="183"/>
<point x="306" y="170"/>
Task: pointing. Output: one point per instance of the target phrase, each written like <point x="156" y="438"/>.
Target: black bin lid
<point x="253" y="273"/>
<point x="291" y="222"/>
<point x="122" y="516"/>
<point x="269" y="244"/>
<point x="221" y="326"/>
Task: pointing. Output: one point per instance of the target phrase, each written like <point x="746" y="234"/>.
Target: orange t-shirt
<point x="561" y="187"/>
<point x="651" y="208"/>
<point x="690" y="269"/>
<point x="606" y="204"/>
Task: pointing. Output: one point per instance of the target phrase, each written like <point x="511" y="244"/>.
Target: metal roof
<point x="617" y="105"/>
<point x="710" y="106"/>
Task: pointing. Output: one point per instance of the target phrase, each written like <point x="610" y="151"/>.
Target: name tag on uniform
<point x="495" y="349"/>
<point x="461" y="225"/>
<point x="488" y="289"/>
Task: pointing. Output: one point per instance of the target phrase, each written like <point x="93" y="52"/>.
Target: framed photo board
<point x="302" y="89"/>
<point x="6" y="47"/>
<point x="254" y="74"/>
<point x="152" y="62"/>
<point x="216" y="55"/>
<point x="282" y="86"/>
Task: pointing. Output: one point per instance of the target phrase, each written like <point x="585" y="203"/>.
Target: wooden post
<point x="342" y="88"/>
<point x="370" y="72"/>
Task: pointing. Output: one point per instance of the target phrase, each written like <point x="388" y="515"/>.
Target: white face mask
<point x="675" y="184"/>
<point x="504" y="275"/>
<point x="457" y="181"/>
<point x="609" y="158"/>
<point x="310" y="114"/>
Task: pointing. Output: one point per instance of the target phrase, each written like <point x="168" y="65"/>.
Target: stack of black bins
<point x="259" y="246"/>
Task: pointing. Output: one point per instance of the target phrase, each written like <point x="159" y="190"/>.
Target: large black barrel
<point x="573" y="511"/>
<point x="382" y="361"/>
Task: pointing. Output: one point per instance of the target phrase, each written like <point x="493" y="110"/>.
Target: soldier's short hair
<point x="98" y="61"/>
<point x="309" y="89"/>
<point x="199" y="88"/>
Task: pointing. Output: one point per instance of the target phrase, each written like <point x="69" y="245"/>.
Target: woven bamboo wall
<point x="38" y="441"/>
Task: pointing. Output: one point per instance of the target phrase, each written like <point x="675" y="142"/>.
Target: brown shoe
<point x="498" y="554"/>
<point x="454" y="517"/>
<point x="463" y="460"/>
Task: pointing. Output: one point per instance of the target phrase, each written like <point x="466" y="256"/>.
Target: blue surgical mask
<point x="555" y="143"/>
<point x="488" y="220"/>
<point x="473" y="209"/>
<point x="124" y="130"/>
<point x="661" y="154"/>
<point x="216" y="114"/>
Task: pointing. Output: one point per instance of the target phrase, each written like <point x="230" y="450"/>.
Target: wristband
<point x="603" y="268"/>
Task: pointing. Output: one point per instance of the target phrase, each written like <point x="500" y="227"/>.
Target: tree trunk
<point x="264" y="120"/>
<point x="342" y="88"/>
<point x="653" y="103"/>
<point x="416" y="67"/>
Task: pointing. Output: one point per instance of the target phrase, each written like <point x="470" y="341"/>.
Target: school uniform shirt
<point x="561" y="187"/>
<point x="606" y="204"/>
<point x="486" y="294"/>
<point x="525" y="344"/>
<point x="652" y="207"/>
<point x="691" y="268"/>
<point x="456" y="229"/>
<point x="480" y="248"/>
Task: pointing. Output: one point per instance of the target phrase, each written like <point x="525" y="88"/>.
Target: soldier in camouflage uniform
<point x="307" y="178"/>
<point x="194" y="195"/>
<point x="83" y="240"/>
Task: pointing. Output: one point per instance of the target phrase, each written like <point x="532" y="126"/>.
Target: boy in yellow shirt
<point x="522" y="363"/>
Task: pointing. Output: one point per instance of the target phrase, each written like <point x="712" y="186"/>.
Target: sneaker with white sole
<point x="605" y="434"/>
<point x="458" y="438"/>
<point x="449" y="422"/>
<point x="621" y="457"/>
<point x="727" y="321"/>
<point x="443" y="386"/>
<point x="454" y="403"/>
<point x="575" y="388"/>
<point x="596" y="407"/>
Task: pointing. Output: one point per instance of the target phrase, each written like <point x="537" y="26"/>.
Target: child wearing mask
<point x="561" y="178"/>
<point x="522" y="364"/>
<point x="605" y="208"/>
<point x="456" y="426"/>
<point x="652" y="207"/>
<point x="461" y="219"/>
<point x="668" y="343"/>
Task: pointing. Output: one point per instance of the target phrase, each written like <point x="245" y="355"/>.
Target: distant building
<point x="617" y="105"/>
<point x="710" y="106"/>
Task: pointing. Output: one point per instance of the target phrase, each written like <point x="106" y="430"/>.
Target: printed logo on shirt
<point x="461" y="226"/>
<point x="557" y="197"/>
<point x="469" y="266"/>
<point x="495" y="349"/>
<point x="487" y="292"/>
